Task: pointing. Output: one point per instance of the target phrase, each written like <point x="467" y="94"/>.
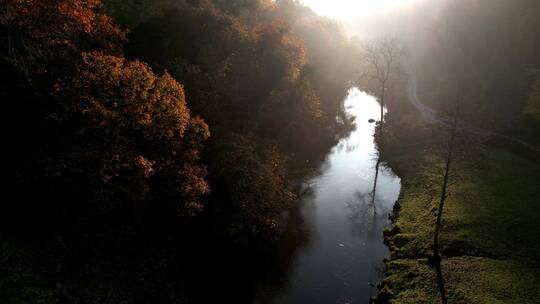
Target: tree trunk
<point x="444" y="189"/>
<point x="436" y="254"/>
<point x="382" y="102"/>
<point x="440" y="282"/>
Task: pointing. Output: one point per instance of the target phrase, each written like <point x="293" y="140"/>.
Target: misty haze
<point x="271" y="151"/>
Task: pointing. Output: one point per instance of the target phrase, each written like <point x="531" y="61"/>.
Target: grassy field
<point x="490" y="238"/>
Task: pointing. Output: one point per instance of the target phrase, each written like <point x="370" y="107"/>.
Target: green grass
<point x="468" y="280"/>
<point x="490" y="237"/>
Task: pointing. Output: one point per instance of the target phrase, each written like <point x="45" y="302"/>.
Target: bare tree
<point x="450" y="154"/>
<point x="446" y="177"/>
<point x="444" y="194"/>
<point x="381" y="59"/>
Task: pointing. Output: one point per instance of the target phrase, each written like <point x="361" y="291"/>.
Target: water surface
<point x="342" y="261"/>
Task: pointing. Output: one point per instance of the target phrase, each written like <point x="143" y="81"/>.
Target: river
<point x="341" y="260"/>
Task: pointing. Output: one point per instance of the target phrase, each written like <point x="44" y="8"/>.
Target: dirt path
<point x="433" y="117"/>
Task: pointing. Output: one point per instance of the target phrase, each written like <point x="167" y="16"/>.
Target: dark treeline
<point x="140" y="130"/>
<point x="486" y="51"/>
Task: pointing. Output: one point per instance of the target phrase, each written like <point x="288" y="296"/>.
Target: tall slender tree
<point x="448" y="161"/>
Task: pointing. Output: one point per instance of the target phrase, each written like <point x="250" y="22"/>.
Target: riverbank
<point x="490" y="238"/>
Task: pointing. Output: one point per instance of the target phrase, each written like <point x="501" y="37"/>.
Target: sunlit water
<point x="343" y="260"/>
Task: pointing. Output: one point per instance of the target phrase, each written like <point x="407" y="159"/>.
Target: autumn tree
<point x="40" y="41"/>
<point x="103" y="155"/>
<point x="41" y="36"/>
<point x="133" y="132"/>
<point x="100" y="132"/>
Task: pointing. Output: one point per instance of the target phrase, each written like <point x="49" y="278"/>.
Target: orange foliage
<point x="135" y="126"/>
<point x="56" y="22"/>
<point x="40" y="31"/>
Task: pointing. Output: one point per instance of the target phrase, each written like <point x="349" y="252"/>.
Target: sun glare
<point x="345" y="10"/>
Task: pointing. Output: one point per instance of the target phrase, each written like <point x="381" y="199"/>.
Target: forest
<point x="137" y="126"/>
<point x="168" y="151"/>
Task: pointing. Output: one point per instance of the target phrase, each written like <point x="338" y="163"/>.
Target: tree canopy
<point x="135" y="126"/>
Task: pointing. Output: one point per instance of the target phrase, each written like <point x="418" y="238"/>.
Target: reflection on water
<point x="344" y="218"/>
